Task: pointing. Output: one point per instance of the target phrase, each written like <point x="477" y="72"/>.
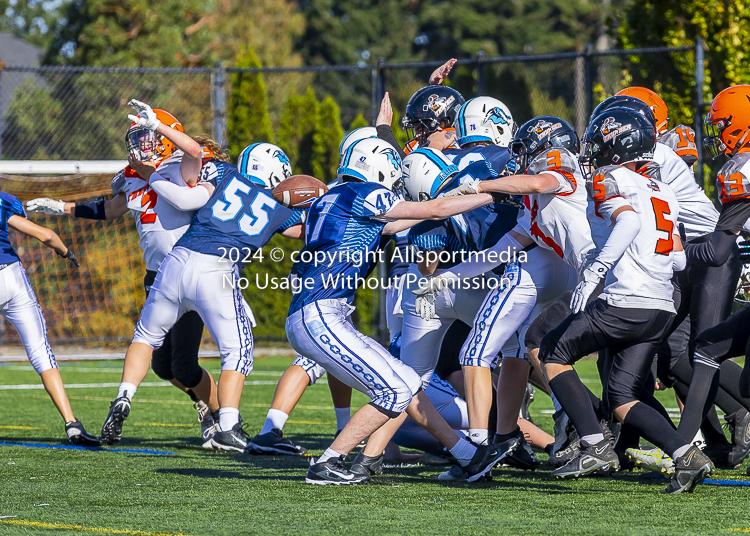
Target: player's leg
<point x="159" y="313"/>
<point x="713" y="346"/>
<point x="25" y="314"/>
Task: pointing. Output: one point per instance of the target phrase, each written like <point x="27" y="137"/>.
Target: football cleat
<point x="653" y="459"/>
<point x="232" y="440"/>
<point x="599" y="458"/>
<point x="522" y="456"/>
<point x="119" y="410"/>
<point x="367" y="465"/>
<point x="78" y="435"/>
<point x="488" y="457"/>
<point x="690" y="469"/>
<point x="454" y="474"/>
<point x="333" y="472"/>
<point x="528" y="398"/>
<point x="739" y="426"/>
<point x="570" y="451"/>
<point x="274" y="442"/>
<point x="207" y="422"/>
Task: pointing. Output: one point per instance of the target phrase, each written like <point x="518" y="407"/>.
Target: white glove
<point x="425" y="302"/>
<point x="45" y="205"/>
<point x="591" y="277"/>
<point x="146" y="116"/>
<point x="466" y="188"/>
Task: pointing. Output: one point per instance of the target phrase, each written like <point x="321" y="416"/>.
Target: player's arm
<point x="297" y="232"/>
<point x="92" y="209"/>
<point x="180" y="197"/>
<point x="520" y="184"/>
<point x="383" y="124"/>
<point x="46" y="236"/>
<point x="436" y="209"/>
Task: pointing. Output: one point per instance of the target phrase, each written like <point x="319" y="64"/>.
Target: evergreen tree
<point x="358" y="122"/>
<point x="248" y="120"/>
<point x="326" y="141"/>
<point x="295" y="134"/>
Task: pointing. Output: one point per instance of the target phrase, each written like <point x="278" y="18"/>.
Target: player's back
<point x="557" y="220"/>
<point x="344" y="231"/>
<point x="642" y="276"/>
<point x="681" y="139"/>
<point x="9" y="206"/>
<point x="498" y="157"/>
<point x="239" y="214"/>
<point x="697" y="212"/>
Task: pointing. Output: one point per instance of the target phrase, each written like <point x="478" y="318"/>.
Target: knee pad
<point x="550" y="353"/>
<point x="311" y="368"/>
<point x="188" y="373"/>
<point x="161" y="364"/>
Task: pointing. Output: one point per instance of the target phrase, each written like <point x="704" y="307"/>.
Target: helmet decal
<point x="393" y="158"/>
<point x="611" y="128"/>
<point x="498" y="116"/>
<point x="438" y="104"/>
<point x="545" y="128"/>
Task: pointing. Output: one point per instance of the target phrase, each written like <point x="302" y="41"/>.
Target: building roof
<point x="15" y="51"/>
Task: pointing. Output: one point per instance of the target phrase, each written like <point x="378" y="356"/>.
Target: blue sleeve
<point x="429" y="236"/>
<point x="294" y="219"/>
<point x="17" y="208"/>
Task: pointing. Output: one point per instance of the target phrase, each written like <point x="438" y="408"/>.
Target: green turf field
<point x="198" y="492"/>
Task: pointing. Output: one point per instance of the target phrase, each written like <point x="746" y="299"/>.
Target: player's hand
<point x="442" y="139"/>
<point x="146" y="116"/>
<point x="144" y="168"/>
<point x="466" y="188"/>
<point x="426" y="294"/>
<point x="71" y="257"/>
<point x="508" y="199"/>
<point x="385" y="116"/>
<point x="45" y="205"/>
<point x="591" y="277"/>
<point x="441" y="73"/>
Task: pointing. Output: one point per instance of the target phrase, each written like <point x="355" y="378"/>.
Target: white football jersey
<point x="556" y="220"/>
<point x="159" y="224"/>
<point x="642" y="277"/>
<point x="697" y="212"/>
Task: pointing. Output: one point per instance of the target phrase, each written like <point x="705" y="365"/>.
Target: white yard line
<point x="29" y="386"/>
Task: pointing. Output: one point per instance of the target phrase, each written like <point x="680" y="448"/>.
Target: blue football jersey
<point x="400" y="265"/>
<point x="498" y="157"/>
<point x="240" y="214"/>
<point x="9" y="206"/>
<point x="476" y="230"/>
<point x="344" y="233"/>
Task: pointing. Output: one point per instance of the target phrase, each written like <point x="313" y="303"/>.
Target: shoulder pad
<point x="555" y="159"/>
<point x="652" y="170"/>
<point x="119" y="181"/>
<point x="602" y="185"/>
<point x="681" y="139"/>
<point x="733" y="181"/>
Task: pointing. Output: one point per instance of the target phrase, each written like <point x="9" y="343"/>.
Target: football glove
<point x="466" y="188"/>
<point x="591" y="277"/>
<point x="425" y="302"/>
<point x="45" y="205"/>
<point x="71" y="257"/>
<point x="146" y="116"/>
<point x="508" y="199"/>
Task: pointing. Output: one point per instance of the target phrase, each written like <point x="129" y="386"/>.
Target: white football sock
<point x="463" y="451"/>
<point x="228" y="417"/>
<point x="127" y="390"/>
<point x="593" y="439"/>
<point x="274" y="419"/>
<point x="342" y="417"/>
<point x="480" y="436"/>
<point x="328" y="454"/>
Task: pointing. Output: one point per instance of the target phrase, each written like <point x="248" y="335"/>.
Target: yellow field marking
<point x="9" y="427"/>
<point x="163" y="424"/>
<point x="740" y="530"/>
<point x="81" y="528"/>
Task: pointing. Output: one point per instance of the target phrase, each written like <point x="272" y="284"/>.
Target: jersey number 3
<point x="661" y="209"/>
<point x="250" y="224"/>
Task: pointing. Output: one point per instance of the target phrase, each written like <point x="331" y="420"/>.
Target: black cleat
<point x="78" y="435"/>
<point x="599" y="458"/>
<point x="333" y="472"/>
<point x="739" y="426"/>
<point x="367" y="465"/>
<point x="522" y="456"/>
<point x="235" y="440"/>
<point x="689" y="471"/>
<point x="119" y="410"/>
<point x="274" y="442"/>
<point x="488" y="457"/>
<point x="569" y="451"/>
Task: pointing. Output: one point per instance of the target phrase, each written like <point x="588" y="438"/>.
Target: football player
<point x="429" y="117"/>
<point x="22" y="310"/>
<point x="633" y="221"/>
<point x="728" y="127"/>
<point x="348" y="223"/>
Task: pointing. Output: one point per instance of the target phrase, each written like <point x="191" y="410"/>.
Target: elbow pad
<point x="90" y="210"/>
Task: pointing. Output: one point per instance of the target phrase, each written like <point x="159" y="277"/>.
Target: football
<point x="299" y="191"/>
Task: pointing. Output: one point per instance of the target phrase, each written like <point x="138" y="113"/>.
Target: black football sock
<point x="700" y="398"/>
<point x="712" y="430"/>
<point x="730" y="389"/>
<point x="651" y="401"/>
<point x="596" y="403"/>
<point x="574" y="399"/>
<point x="192" y="396"/>
<point x="651" y="425"/>
<point x="629" y="439"/>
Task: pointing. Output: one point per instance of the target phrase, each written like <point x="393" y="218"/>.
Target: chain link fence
<point x="78" y="113"/>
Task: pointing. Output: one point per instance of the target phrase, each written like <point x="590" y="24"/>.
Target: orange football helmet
<point x="728" y="122"/>
<point x="654" y="101"/>
<point x="166" y="147"/>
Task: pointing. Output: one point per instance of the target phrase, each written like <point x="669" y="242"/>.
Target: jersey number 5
<point x="661" y="208"/>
